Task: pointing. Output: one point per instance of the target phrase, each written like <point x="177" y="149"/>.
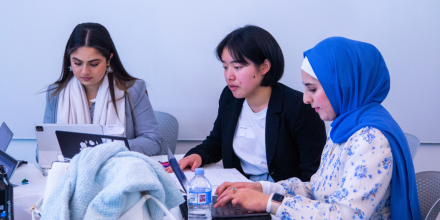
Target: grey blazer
<point x="141" y="127"/>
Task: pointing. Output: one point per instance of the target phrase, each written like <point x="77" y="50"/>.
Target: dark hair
<point x="96" y="36"/>
<point x="257" y="45"/>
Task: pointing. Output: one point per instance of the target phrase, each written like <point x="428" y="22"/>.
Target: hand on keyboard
<point x="236" y="212"/>
<point x="249" y="199"/>
<point x="229" y="186"/>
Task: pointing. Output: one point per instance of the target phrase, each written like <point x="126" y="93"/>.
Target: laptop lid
<point x="177" y="171"/>
<point x="9" y="163"/>
<point x="72" y="143"/>
<point x="48" y="146"/>
<point x="47" y="140"/>
<point x="5" y="137"/>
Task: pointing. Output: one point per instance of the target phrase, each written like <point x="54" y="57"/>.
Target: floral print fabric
<point x="352" y="182"/>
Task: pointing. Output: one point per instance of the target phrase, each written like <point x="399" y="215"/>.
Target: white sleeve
<point x="269" y="203"/>
<point x="269" y="187"/>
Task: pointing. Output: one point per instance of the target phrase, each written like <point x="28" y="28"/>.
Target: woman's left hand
<point x="247" y="198"/>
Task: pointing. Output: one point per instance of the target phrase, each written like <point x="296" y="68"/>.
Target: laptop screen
<point x="177" y="171"/>
<point x="8" y="163"/>
<point x="5" y="137"/>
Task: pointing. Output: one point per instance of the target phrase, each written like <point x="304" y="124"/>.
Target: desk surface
<point x="27" y="195"/>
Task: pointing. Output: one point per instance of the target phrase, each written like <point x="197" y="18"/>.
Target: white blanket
<point x="96" y="184"/>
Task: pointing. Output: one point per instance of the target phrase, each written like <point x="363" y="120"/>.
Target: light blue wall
<point x="170" y="44"/>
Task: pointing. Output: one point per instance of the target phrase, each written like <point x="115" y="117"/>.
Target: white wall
<point x="171" y="45"/>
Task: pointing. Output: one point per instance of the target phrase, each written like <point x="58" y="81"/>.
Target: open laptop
<point x="9" y="163"/>
<point x="177" y="171"/>
<point x="71" y="143"/>
<point x="5" y="137"/>
<point x="48" y="146"/>
<point x="226" y="212"/>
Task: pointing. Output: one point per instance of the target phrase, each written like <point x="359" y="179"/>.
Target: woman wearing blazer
<point x="263" y="128"/>
<point x="95" y="88"/>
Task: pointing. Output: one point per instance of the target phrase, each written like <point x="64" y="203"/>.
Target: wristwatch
<point x="277" y="199"/>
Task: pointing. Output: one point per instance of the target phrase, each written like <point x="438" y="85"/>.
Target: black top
<point x="295" y="135"/>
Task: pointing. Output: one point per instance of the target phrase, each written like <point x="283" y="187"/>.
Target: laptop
<point x="226" y="212"/>
<point x="71" y="143"/>
<point x="9" y="163"/>
<point x="177" y="171"/>
<point x="5" y="137"/>
<point x="48" y="146"/>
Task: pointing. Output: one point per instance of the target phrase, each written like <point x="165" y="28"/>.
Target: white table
<point x="27" y="195"/>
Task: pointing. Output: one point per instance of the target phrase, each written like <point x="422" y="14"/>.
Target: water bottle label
<point x="199" y="198"/>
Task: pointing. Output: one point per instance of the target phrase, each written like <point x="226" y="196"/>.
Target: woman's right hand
<point x="194" y="161"/>
<point x="237" y="185"/>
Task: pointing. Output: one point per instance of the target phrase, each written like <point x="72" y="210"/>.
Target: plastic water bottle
<point x="199" y="196"/>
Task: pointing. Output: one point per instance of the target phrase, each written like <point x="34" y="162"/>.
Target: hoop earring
<point x="109" y="69"/>
<point x="70" y="68"/>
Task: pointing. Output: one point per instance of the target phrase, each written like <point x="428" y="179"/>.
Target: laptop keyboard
<point x="229" y="210"/>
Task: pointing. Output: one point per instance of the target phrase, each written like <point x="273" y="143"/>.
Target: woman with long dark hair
<point x="95" y="88"/>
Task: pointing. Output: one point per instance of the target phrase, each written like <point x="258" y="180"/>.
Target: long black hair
<point x="96" y="36"/>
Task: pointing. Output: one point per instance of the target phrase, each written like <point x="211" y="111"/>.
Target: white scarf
<point x="73" y="107"/>
<point x="308" y="68"/>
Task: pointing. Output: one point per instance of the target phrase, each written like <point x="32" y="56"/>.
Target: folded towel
<point x="96" y="184"/>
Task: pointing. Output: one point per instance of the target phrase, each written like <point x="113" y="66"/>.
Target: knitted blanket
<point x="96" y="184"/>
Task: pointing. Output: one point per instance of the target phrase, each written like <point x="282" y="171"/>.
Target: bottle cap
<point x="200" y="171"/>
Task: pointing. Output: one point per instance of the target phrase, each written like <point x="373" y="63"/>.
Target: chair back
<point x="428" y="187"/>
<point x="169" y="130"/>
<point x="413" y="143"/>
<point x="433" y="213"/>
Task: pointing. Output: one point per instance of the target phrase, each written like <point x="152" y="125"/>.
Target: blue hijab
<point x="356" y="81"/>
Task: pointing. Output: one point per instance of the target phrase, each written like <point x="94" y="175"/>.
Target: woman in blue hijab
<point x="366" y="169"/>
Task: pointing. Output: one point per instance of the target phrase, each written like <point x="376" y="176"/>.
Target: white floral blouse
<point x="352" y="182"/>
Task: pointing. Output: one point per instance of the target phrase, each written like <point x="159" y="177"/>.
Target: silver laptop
<point x="48" y="146"/>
